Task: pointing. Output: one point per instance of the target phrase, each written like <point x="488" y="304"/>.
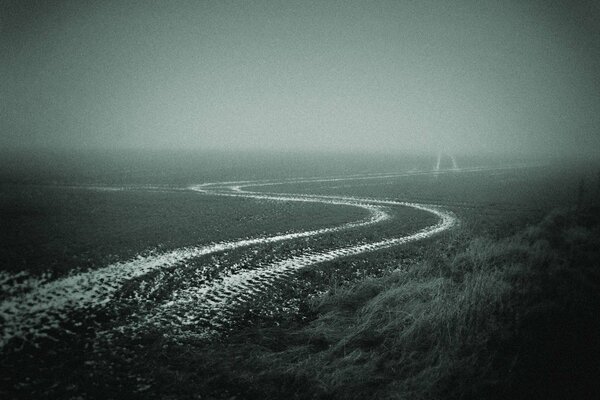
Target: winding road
<point x="41" y="311"/>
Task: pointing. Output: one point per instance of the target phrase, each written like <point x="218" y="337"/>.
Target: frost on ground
<point x="34" y="308"/>
<point x="209" y="307"/>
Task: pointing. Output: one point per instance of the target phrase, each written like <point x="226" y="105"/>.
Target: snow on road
<point x="37" y="312"/>
<point x="212" y="304"/>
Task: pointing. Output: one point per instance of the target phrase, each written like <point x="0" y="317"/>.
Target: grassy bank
<point x="471" y="315"/>
<point x="487" y="318"/>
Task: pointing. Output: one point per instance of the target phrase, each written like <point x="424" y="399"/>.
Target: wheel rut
<point x="40" y="311"/>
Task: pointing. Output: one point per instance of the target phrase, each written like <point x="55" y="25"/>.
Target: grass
<point x="497" y="318"/>
<point x="475" y="316"/>
<point x="492" y="310"/>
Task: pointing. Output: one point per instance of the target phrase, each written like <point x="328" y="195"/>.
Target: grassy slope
<point x="487" y="313"/>
<point x="497" y="318"/>
<point x="477" y="317"/>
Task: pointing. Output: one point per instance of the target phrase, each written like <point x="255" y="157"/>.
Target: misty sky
<point x="352" y="76"/>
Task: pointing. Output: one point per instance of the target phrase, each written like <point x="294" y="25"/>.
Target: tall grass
<point x="484" y="321"/>
<point x="478" y="317"/>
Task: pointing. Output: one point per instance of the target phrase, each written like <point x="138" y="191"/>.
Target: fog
<point x="381" y="76"/>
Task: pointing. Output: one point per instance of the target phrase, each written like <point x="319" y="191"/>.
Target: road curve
<point x="40" y="311"/>
<point x="209" y="307"/>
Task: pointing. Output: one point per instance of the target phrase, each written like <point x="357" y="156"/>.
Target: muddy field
<point x="89" y="269"/>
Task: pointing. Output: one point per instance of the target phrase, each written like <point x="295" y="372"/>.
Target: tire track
<point x="34" y="314"/>
<point x="40" y="311"/>
<point x="209" y="308"/>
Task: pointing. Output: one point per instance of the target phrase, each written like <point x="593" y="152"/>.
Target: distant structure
<point x="454" y="164"/>
<point x="439" y="162"/>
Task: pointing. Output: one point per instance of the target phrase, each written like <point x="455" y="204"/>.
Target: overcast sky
<point x="354" y="76"/>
